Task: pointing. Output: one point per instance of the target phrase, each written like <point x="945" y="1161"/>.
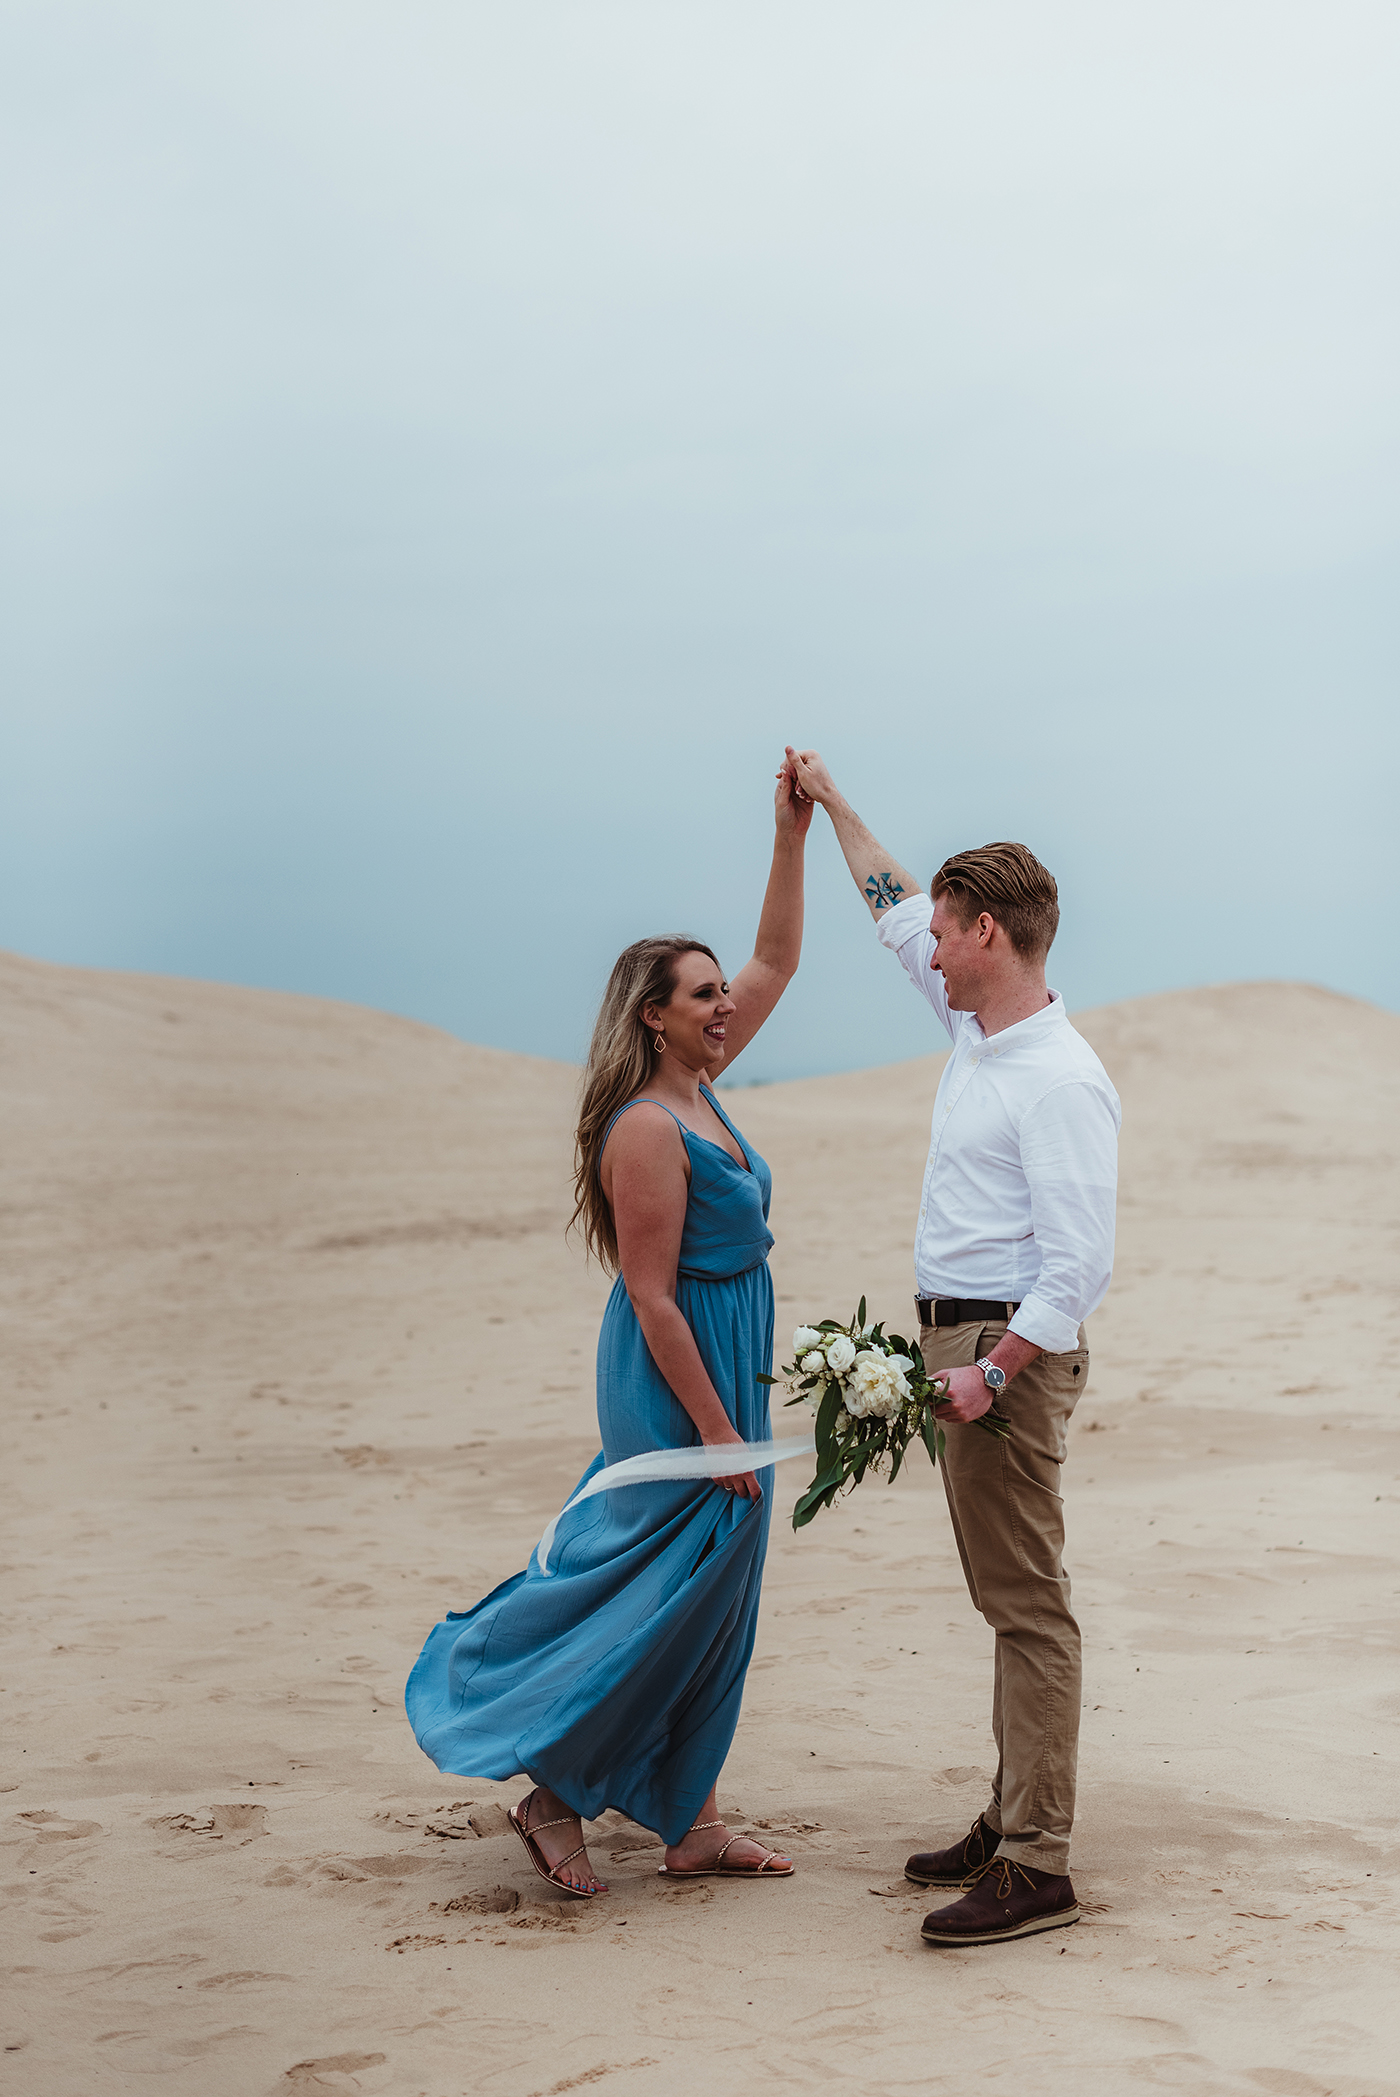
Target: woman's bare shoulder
<point x="644" y="1129"/>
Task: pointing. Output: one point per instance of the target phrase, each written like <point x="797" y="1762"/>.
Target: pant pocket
<point x="1065" y="1378"/>
<point x="1068" y="1374"/>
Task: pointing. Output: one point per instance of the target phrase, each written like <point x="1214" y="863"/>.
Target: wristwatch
<point x="993" y="1377"/>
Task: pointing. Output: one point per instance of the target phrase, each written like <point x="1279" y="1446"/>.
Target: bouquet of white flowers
<point x="872" y="1397"/>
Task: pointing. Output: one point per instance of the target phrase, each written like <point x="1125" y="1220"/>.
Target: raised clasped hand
<point x="793" y="808"/>
<point x="966" y="1397"/>
<point x="812" y="778"/>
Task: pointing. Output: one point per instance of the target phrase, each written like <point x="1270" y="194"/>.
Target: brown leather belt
<point x="962" y="1310"/>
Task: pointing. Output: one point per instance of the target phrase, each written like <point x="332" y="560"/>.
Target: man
<point x="1013" y="1250"/>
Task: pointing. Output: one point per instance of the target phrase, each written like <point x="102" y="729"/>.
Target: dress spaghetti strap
<point x="642" y="1099"/>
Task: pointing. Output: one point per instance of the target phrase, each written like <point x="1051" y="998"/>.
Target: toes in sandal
<point x="536" y="1855"/>
<point x="766" y="1868"/>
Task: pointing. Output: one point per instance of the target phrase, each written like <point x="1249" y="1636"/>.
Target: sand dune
<point x="297" y="1358"/>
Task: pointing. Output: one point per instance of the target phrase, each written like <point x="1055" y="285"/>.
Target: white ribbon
<point x="722" y="1460"/>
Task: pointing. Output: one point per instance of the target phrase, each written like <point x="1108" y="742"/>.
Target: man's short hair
<point x="1012" y="886"/>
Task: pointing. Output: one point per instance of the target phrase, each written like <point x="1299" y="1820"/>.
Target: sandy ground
<point x="297" y="1359"/>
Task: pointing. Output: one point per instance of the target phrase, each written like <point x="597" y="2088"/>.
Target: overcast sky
<point x="449" y="449"/>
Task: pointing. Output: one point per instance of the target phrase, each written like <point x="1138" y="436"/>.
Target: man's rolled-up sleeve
<point x="905" y="931"/>
<point x="1069" y="1153"/>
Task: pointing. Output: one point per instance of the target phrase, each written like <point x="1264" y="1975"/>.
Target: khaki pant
<point x="1008" y="1518"/>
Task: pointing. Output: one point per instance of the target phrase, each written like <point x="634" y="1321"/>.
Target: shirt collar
<point x="1049" y="1017"/>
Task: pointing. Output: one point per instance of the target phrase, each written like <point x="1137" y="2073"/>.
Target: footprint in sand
<point x="496" y="1903"/>
<point x="489" y="1820"/>
<point x="463" y="1821"/>
<point x="349" y="1871"/>
<point x="335" y="2071"/>
<point x="390" y="1867"/>
<point x="237" y="1823"/>
<point x="52" y="1827"/>
<point x="241" y="1980"/>
<point x="496" y="1900"/>
<point x="452" y="1825"/>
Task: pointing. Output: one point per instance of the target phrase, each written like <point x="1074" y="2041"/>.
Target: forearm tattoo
<point x="883" y="890"/>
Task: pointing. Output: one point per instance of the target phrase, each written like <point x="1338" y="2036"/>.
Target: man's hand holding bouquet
<point x="872" y="1397"/>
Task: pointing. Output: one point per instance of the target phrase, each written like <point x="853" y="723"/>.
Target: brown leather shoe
<point x="1004" y="1900"/>
<point x="955" y="1866"/>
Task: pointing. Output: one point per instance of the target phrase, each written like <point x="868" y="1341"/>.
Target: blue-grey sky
<point x="449" y="449"/>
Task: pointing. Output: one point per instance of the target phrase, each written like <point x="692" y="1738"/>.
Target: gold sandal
<point x="536" y="1854"/>
<point x="720" y="1870"/>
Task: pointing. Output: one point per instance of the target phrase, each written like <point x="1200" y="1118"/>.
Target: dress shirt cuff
<point x="904" y="921"/>
<point x="1045" y="1327"/>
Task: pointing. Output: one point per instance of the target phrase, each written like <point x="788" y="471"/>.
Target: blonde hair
<point x="1011" y="885"/>
<point x="621" y="1059"/>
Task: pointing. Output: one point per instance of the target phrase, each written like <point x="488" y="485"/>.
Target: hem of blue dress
<point x="553" y="1767"/>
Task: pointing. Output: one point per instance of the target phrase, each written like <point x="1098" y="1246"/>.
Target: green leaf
<point x="768" y="1379"/>
<point x="861" y="1461"/>
<point x="809" y="1505"/>
<point x="897" y="1461"/>
<point x="860" y="1314"/>
<point x="829" y="1477"/>
<point x="820" y="1493"/>
<point x="928" y="1428"/>
<point x="826" y="1424"/>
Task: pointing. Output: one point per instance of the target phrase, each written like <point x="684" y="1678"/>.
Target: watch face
<point x="995" y="1377"/>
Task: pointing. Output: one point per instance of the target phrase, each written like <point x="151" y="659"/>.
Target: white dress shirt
<point x="1022" y="1172"/>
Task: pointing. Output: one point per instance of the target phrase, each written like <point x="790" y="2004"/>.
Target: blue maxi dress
<point x="616" y="1680"/>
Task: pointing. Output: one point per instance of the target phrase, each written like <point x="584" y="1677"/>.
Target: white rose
<point x="840" y="1354"/>
<point x="900" y="1362"/>
<point x="869" y="1370"/>
<point x="813" y="1361"/>
<point x="855" y="1404"/>
<point x="881" y="1387"/>
<point x="805" y="1336"/>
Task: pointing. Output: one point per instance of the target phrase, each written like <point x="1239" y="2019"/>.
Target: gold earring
<point x="660" y="1044"/>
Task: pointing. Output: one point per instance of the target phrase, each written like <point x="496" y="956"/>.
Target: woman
<point x="615" y="1679"/>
